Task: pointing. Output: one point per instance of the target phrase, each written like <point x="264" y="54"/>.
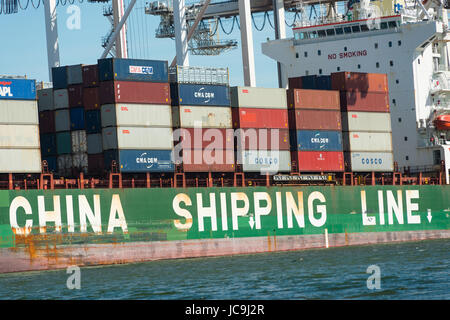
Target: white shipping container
<point x="94" y="143"/>
<point x="204" y="117"/>
<point x="252" y="97"/>
<point x="79" y="141"/>
<point x="18" y="112"/>
<point x="20" y="161"/>
<point x="366" y="121"/>
<point x="64" y="163"/>
<point x="61" y="99"/>
<point x="137" y="138"/>
<point x="265" y="161"/>
<point x="19" y="136"/>
<point x="367" y="141"/>
<point x="135" y="115"/>
<point x="62" y="120"/>
<point x="45" y="99"/>
<point x="370" y="161"/>
<point x="80" y="162"/>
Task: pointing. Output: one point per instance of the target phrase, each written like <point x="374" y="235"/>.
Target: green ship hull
<point x="41" y="230"/>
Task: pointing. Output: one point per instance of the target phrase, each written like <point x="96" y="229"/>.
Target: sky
<point x="23" y="50"/>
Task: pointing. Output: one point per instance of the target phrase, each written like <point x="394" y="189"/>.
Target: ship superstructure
<point x="409" y="41"/>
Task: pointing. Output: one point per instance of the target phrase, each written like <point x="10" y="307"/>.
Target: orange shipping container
<point x="313" y="99"/>
<point x="303" y="119"/>
<point x="359" y="81"/>
<point x="319" y="161"/>
<point x="260" y="118"/>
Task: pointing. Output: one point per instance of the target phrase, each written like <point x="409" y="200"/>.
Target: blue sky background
<point x="23" y="50"/>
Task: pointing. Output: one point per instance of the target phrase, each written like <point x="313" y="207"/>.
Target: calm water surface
<point x="414" y="270"/>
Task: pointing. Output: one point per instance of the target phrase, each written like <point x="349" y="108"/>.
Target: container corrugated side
<point x="61" y="99"/>
<point x="96" y="163"/>
<point x="199" y="95"/>
<point x="134" y="92"/>
<point x="47" y="121"/>
<point x="264" y="161"/>
<point x="295" y="83"/>
<point x="133" y="70"/>
<point x="146" y="115"/>
<point x="59" y="77"/>
<point x="94" y="143"/>
<point x="364" y="101"/>
<point x="79" y="141"/>
<point x="260" y="118"/>
<point x="370" y="161"/>
<point x="80" y="163"/>
<point x="367" y="141"/>
<point x="75" y="74"/>
<point x="19" y="136"/>
<point x="93" y="121"/>
<point x="20" y="161"/>
<point x="51" y="163"/>
<point x="366" y="121"/>
<point x="206" y="117"/>
<point x="263" y="139"/>
<point x="252" y="97"/>
<point x="359" y="81"/>
<point x="63" y="143"/>
<point x="18" y="112"/>
<point x="141" y="160"/>
<point x="45" y="99"/>
<point x="303" y="119"/>
<point x="90" y="76"/>
<point x="319" y="161"/>
<point x="17" y="89"/>
<point x="137" y="138"/>
<point x="64" y="164"/>
<point x="75" y="93"/>
<point x="213" y="160"/>
<point x="91" y="98"/>
<point x="318" y="140"/>
<point x="77" y="119"/>
<point x="62" y="120"/>
<point x="48" y="144"/>
<point x="313" y="99"/>
<point x="201" y="138"/>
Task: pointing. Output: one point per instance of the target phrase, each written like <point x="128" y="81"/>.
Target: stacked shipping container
<point x="19" y="127"/>
<point x="136" y="116"/>
<point x="260" y="117"/>
<point x="366" y="120"/>
<point x="315" y="126"/>
<point x="202" y="119"/>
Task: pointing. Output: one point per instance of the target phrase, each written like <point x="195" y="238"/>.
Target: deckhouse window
<point x="355" y="28"/>
<point x="321" y="33"/>
<point x="347" y="30"/>
<point x="384" y="25"/>
<point x="364" y="27"/>
<point x="313" y="34"/>
<point x="330" y="32"/>
<point x="392" y="24"/>
<point x="339" y="31"/>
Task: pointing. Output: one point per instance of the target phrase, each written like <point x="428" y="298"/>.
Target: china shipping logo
<point x="141" y="70"/>
<point x="202" y="94"/>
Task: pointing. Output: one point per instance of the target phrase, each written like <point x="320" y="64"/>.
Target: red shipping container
<point x="260" y="118"/>
<point x="261" y="139"/>
<point x="295" y="83"/>
<point x="91" y="98"/>
<point x="96" y="163"/>
<point x="304" y="119"/>
<point x="364" y="101"/>
<point x="208" y="161"/>
<point x="134" y="92"/>
<point x="359" y="81"/>
<point x="202" y="138"/>
<point x="313" y="99"/>
<point x="90" y="76"/>
<point x="318" y="161"/>
<point x="75" y="93"/>
<point x="47" y="121"/>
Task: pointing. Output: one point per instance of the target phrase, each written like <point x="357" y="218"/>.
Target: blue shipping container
<point x="93" y="121"/>
<point x="59" y="78"/>
<point x="17" y="89"/>
<point x="200" y="95"/>
<point x="309" y="82"/>
<point x="48" y="144"/>
<point x="77" y="119"/>
<point x="133" y="70"/>
<point x="140" y="160"/>
<point x="51" y="162"/>
<point x="318" y="140"/>
<point x="63" y="143"/>
<point x="323" y="83"/>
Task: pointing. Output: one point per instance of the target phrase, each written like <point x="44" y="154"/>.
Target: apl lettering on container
<point x="17" y="89"/>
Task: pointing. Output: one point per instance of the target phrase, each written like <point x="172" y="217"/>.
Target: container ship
<point x="129" y="160"/>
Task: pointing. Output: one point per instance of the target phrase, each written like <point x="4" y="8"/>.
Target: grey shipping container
<point x="20" y="161"/>
<point x="133" y="115"/>
<point x="75" y="74"/>
<point x="367" y="141"/>
<point x="80" y="162"/>
<point x="137" y="138"/>
<point x="199" y="75"/>
<point x="19" y="136"/>
<point x="18" y="112"/>
<point x="366" y="121"/>
<point x="61" y="99"/>
<point x="62" y="120"/>
<point x="205" y="117"/>
<point x="64" y="163"/>
<point x="251" y="97"/>
<point x="369" y="161"/>
<point x="265" y="161"/>
<point x="45" y="99"/>
<point x="79" y="141"/>
<point x="94" y="143"/>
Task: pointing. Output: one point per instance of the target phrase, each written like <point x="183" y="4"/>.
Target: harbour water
<point x="412" y="270"/>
